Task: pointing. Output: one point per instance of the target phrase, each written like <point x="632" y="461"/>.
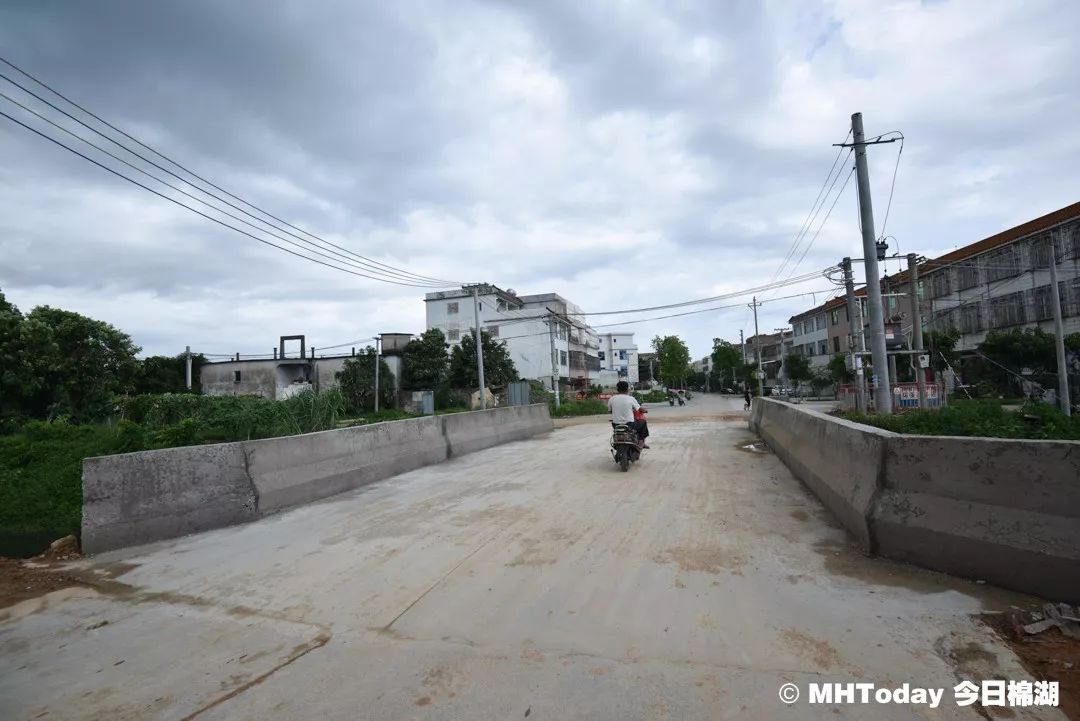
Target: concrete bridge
<point x="530" y="580"/>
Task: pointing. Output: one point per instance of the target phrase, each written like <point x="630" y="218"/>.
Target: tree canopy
<point x="357" y="381"/>
<point x="672" y="359"/>
<point x="725" y="358"/>
<point x="425" y="361"/>
<point x="499" y="368"/>
<point x="56" y="362"/>
<point x="797" y="368"/>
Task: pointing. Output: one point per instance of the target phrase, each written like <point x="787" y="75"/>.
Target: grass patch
<point x="979" y="418"/>
<point x="587" y="407"/>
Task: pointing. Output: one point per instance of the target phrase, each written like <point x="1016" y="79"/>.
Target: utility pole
<point x="742" y="346"/>
<point x="554" y="360"/>
<point x="757" y="349"/>
<point x="376" y="339"/>
<point x="916" y="325"/>
<point x="1059" y="335"/>
<point x="187" y="367"/>
<point x="856" y="360"/>
<point x="479" y="348"/>
<point x="879" y="355"/>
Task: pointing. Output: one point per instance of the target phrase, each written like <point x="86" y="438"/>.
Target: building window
<point x="836" y="343"/>
<point x="939" y="284"/>
<point x="451" y="308"/>
<point x="1007" y="310"/>
<point x="622" y="355"/>
<point x="1040" y="252"/>
<point x="1004" y="263"/>
<point x="797" y="329"/>
<point x="971" y="320"/>
<point x="834" y="316"/>
<point x="562" y="357"/>
<point x="453" y="336"/>
<point x="493" y="331"/>
<point x="236" y="376"/>
<point x="820" y="320"/>
<point x="1042" y="303"/>
<point x="967" y="276"/>
<point x="601" y="355"/>
<point x="823" y="347"/>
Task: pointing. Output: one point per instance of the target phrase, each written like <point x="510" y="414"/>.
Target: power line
<point x="194" y="210"/>
<point x="317" y="249"/>
<point x="373" y="265"/>
<point x="892" y="185"/>
<point x="814" y="210"/>
<point x="725" y="296"/>
<point x="678" y="315"/>
<point x="823" y="222"/>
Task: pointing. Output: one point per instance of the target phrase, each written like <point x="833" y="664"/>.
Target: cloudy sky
<point x="622" y="154"/>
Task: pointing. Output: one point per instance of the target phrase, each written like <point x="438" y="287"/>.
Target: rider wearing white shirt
<point x="623" y="405"/>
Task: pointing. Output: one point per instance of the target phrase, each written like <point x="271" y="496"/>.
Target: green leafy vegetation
<point x="672" y="360"/>
<point x="587" y="407"/>
<point x="983" y="418"/>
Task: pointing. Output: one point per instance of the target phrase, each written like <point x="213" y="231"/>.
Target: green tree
<point x="425" y="361"/>
<point x="1019" y="350"/>
<point x="357" y="381"/>
<point x="820" y="379"/>
<point x="672" y="359"/>
<point x="797" y="368"/>
<point x="166" y="374"/>
<point x="74" y="365"/>
<point x="838" y="370"/>
<point x="725" y="358"/>
<point x="498" y="367"/>
<point x="13" y="378"/>
<point x="940" y="343"/>
<point x="696" y="380"/>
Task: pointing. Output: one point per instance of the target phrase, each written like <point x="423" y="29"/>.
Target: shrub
<point x="587" y="407"/>
<point x="983" y="418"/>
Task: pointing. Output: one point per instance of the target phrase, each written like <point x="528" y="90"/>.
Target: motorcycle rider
<point x="622" y="406"/>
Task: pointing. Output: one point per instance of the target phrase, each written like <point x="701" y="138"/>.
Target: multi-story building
<point x="702" y="366"/>
<point x="774" y="346"/>
<point x="540" y="331"/>
<point x="999" y="282"/>
<point x="1003" y="281"/>
<point x="619" y="353"/>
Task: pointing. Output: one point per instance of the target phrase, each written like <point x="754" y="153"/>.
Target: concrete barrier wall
<point x="1001" y="510"/>
<point x="136" y="498"/>
<point x="840" y="461"/>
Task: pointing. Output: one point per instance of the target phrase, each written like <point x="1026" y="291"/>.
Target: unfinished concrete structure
<point x="280" y="375"/>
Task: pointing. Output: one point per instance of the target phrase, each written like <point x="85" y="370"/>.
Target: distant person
<point x="622" y="406"/>
<point x="746" y="399"/>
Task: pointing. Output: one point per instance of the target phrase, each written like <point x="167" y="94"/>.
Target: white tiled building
<point x="524" y="324"/>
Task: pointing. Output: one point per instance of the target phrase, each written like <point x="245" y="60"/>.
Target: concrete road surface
<point x="532" y="580"/>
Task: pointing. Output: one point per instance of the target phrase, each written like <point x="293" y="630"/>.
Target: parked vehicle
<point x="625" y="448"/>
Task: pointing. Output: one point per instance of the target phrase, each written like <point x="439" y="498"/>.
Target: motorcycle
<point x="624" y="445"/>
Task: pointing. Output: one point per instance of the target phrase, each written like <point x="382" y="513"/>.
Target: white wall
<point x="610" y="345"/>
<point x="527" y="339"/>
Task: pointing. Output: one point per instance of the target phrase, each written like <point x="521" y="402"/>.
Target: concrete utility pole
<point x="554" y="359"/>
<point x="479" y="349"/>
<point x="879" y="355"/>
<point x="856" y="360"/>
<point x="1059" y="335"/>
<point x="187" y="367"/>
<point x="757" y="349"/>
<point x="916" y="325"/>
<point x="376" y="339"/>
<point x="742" y="346"/>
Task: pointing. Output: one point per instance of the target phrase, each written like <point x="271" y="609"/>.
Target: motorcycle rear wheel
<point x="624" y="459"/>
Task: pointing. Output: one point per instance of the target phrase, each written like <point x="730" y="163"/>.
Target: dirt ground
<point x="1048" y="656"/>
<point x="20" y="580"/>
